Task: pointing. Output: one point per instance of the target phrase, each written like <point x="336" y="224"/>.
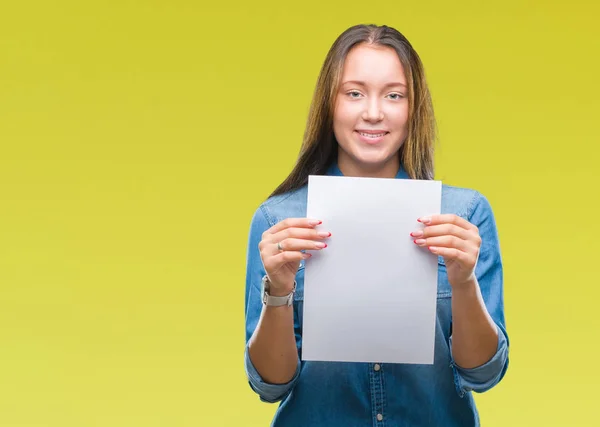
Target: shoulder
<point x="465" y="202"/>
<point x="471" y="205"/>
<point x="277" y="208"/>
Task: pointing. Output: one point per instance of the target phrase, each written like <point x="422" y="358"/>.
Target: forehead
<point x="373" y="64"/>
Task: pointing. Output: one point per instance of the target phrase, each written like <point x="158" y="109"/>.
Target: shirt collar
<point x="334" y="170"/>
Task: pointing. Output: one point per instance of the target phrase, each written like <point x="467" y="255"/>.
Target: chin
<point x="367" y="157"/>
<point x="372" y="159"/>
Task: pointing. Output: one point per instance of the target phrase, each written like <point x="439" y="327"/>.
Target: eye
<point x="396" y="96"/>
<point x="354" y="94"/>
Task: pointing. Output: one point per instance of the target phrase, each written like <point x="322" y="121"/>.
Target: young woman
<point x="371" y="116"/>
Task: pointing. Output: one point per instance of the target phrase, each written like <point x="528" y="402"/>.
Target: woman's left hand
<point x="456" y="240"/>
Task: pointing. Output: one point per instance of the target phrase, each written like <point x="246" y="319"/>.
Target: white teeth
<point x="370" y="135"/>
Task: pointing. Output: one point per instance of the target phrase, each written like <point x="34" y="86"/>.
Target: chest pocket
<point x="299" y="295"/>
<point x="299" y="306"/>
<point x="443" y="286"/>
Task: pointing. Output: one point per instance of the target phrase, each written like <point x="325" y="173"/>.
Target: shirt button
<point x="379" y="417"/>
<point x="377" y="366"/>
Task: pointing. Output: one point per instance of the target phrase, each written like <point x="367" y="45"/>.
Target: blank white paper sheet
<point x="371" y="295"/>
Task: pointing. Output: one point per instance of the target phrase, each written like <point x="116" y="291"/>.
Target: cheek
<point x="344" y="117"/>
<point x="398" y="117"/>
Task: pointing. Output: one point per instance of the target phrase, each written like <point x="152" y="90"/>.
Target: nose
<point x="373" y="112"/>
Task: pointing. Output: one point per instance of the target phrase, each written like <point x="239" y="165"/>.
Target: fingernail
<point x="320" y="245"/>
<point x="425" y="220"/>
<point x="417" y="233"/>
<point x="432" y="249"/>
<point x="306" y="256"/>
<point x="419" y="242"/>
<point x="315" y="222"/>
<point x="323" y="234"/>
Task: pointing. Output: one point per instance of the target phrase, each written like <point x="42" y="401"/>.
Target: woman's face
<point x="370" y="119"/>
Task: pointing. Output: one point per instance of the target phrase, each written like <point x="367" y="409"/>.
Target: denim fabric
<point x="368" y="394"/>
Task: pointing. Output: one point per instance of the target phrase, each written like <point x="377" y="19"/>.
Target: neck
<point x="386" y="170"/>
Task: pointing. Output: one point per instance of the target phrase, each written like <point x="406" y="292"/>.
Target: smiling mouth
<point x="372" y="135"/>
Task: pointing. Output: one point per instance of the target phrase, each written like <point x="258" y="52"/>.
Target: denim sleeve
<point x="255" y="271"/>
<point x="490" y="277"/>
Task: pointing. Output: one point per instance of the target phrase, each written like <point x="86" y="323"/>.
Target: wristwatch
<point x="275" y="301"/>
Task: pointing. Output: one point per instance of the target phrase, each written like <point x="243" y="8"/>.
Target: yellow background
<point x="138" y="137"/>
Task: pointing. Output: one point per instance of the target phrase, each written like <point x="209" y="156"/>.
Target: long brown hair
<point x="319" y="146"/>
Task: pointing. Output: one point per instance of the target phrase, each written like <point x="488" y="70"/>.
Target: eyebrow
<point x="357" y="82"/>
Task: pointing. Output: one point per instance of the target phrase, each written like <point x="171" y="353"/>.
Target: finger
<point x="299" y="233"/>
<point x="442" y="230"/>
<point x="446" y="242"/>
<point x="447" y="219"/>
<point x="293" y="222"/>
<point x="298" y="245"/>
<point x="276" y="261"/>
<point x="452" y="254"/>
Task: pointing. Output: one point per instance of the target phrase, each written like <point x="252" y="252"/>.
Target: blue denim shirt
<point x="371" y="394"/>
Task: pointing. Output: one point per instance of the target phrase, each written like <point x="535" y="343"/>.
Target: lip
<point x="368" y="140"/>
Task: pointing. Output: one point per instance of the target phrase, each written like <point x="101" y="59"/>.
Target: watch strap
<point x="276" y="301"/>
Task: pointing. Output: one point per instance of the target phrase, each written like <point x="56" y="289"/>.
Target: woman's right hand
<point x="280" y="250"/>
